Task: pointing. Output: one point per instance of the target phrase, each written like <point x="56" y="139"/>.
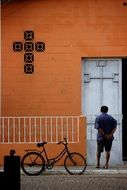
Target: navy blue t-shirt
<point x="105" y="122"/>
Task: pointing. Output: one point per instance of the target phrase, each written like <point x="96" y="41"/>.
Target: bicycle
<point x="33" y="162"/>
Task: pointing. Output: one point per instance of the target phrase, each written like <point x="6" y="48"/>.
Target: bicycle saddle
<point x="41" y="144"/>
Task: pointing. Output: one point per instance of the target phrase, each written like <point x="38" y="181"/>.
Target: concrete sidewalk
<point x="116" y="169"/>
<point x="59" y="170"/>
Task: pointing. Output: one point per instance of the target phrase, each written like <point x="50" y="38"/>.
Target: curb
<point x="62" y="171"/>
<point x="87" y="172"/>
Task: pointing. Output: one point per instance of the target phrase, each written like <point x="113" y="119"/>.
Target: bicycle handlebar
<point x="63" y="142"/>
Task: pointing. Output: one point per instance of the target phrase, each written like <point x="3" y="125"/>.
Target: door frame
<point x="120" y="94"/>
<point x="124" y="110"/>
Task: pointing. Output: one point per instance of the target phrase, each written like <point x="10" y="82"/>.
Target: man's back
<point x="106" y="123"/>
<point x="106" y="126"/>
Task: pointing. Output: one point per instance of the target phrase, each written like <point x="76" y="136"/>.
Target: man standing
<point x="106" y="126"/>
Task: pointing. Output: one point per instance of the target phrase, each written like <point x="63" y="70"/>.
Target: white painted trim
<point x="82" y="86"/>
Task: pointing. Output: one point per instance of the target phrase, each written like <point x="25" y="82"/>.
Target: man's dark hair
<point x="104" y="109"/>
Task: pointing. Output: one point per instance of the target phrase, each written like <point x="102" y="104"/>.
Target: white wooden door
<point x="102" y="86"/>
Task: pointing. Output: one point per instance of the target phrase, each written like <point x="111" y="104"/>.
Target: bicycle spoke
<point x="75" y="163"/>
<point x="32" y="163"/>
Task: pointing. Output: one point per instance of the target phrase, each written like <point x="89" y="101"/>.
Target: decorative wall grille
<point x="29" y="47"/>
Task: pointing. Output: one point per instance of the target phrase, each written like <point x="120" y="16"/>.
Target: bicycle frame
<point x="49" y="162"/>
<point x="34" y="158"/>
<point x="58" y="157"/>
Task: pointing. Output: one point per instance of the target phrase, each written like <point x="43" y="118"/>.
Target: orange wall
<point x="71" y="30"/>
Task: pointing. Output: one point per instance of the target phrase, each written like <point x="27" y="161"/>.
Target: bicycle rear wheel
<point x="32" y="163"/>
<point x="75" y="163"/>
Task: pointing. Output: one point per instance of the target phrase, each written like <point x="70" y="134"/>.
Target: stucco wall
<point x="71" y="30"/>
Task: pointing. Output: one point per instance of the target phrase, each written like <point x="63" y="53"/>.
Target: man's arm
<point x="109" y="136"/>
<point x="101" y="131"/>
<point x="97" y="126"/>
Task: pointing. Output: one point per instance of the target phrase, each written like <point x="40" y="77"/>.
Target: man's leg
<point x="107" y="159"/>
<point x="100" y="146"/>
<point x="98" y="159"/>
<point x="108" y="145"/>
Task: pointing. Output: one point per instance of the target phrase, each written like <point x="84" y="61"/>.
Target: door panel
<point x="102" y="86"/>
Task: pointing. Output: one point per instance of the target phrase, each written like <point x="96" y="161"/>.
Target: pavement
<point x="98" y="179"/>
<point x="75" y="182"/>
<point x="57" y="178"/>
<point x="90" y="169"/>
<point x="115" y="169"/>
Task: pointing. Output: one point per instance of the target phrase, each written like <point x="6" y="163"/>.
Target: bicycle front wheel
<point x="32" y="163"/>
<point x="75" y="163"/>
